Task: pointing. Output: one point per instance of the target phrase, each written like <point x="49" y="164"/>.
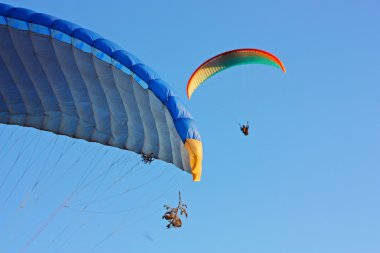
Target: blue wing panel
<point x="183" y="121"/>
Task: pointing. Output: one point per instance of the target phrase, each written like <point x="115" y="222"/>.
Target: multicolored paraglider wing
<point x="59" y="77"/>
<point x="230" y="59"/>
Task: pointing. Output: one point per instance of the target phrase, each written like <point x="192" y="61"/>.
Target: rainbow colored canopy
<point x="229" y="59"/>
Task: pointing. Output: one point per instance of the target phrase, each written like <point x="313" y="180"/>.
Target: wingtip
<point x="188" y="93"/>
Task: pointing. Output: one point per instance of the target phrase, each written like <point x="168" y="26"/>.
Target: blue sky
<point x="305" y="180"/>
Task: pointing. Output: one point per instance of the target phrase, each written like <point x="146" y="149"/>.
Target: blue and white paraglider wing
<point x="59" y="77"/>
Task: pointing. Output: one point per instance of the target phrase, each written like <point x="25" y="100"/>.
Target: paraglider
<point x="172" y="215"/>
<point x="147" y="158"/>
<point x="58" y="77"/>
<point x="244" y="129"/>
<point x="227" y="60"/>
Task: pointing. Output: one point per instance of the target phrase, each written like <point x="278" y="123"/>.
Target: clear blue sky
<point x="306" y="180"/>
